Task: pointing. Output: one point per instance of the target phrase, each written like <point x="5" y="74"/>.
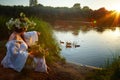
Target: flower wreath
<point x="22" y="22"/>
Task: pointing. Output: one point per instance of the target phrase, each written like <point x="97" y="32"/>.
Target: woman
<point x="17" y="53"/>
<point x="18" y="44"/>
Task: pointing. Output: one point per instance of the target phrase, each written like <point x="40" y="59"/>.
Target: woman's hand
<point x="38" y="33"/>
<point x="30" y="54"/>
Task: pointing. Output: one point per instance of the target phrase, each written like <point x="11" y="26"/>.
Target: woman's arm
<point x="31" y="37"/>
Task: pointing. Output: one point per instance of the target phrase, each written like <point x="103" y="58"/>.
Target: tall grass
<point x="47" y="40"/>
<point x="111" y="70"/>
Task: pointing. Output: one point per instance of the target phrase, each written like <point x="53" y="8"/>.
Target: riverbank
<point x="57" y="71"/>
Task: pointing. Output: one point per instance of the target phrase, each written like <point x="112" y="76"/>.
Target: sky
<point x="93" y="4"/>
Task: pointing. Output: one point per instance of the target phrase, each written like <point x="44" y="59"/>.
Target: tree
<point x="77" y="6"/>
<point x="85" y="8"/>
<point x="33" y="2"/>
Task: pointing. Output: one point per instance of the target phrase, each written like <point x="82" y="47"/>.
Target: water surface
<point x="95" y="47"/>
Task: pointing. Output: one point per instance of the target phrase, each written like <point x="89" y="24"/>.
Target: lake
<point x="93" y="46"/>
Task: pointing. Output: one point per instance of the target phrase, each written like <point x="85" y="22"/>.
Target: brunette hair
<point x="19" y="30"/>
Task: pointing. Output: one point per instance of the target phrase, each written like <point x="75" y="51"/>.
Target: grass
<point x="47" y="40"/>
<point x="111" y="70"/>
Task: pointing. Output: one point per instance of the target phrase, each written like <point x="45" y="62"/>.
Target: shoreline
<point x="58" y="71"/>
<point x="78" y="64"/>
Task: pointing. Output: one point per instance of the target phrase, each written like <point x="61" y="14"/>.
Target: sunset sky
<point x="93" y="4"/>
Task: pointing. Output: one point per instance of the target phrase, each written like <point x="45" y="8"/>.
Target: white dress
<point x="40" y="64"/>
<point x="17" y="53"/>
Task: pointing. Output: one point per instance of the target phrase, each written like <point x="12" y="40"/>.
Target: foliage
<point x="77" y="6"/>
<point x="3" y="29"/>
<point x="102" y="16"/>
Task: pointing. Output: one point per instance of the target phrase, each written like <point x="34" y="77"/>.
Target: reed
<point x="110" y="71"/>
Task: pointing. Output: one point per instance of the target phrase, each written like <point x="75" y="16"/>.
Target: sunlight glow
<point x="116" y="18"/>
<point x="117" y="8"/>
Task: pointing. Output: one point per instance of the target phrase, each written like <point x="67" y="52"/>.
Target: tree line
<point x="102" y="16"/>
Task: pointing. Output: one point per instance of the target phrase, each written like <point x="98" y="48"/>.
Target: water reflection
<point x="75" y="26"/>
<point x="94" y="46"/>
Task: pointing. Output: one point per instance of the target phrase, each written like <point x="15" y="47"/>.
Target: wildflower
<point x="21" y="22"/>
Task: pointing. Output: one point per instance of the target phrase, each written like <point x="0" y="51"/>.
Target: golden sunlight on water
<point x="117" y="32"/>
<point x="112" y="33"/>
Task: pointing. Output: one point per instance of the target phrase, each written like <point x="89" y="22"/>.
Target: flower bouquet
<point x="37" y="51"/>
